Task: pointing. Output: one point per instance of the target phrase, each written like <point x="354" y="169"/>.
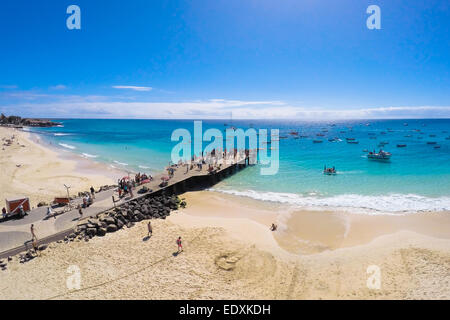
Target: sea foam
<point x="380" y="204"/>
<point x="68" y="146"/>
<point x="61" y="134"/>
<point x="87" y="155"/>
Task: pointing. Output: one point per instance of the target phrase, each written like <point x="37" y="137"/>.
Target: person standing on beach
<point x="33" y="235"/>
<point x="92" y="192"/>
<point x="150" y="229"/>
<point x="179" y="244"/>
<point x="80" y="211"/>
<point x="4" y="212"/>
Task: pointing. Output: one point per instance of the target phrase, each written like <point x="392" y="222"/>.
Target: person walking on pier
<point x="92" y="192"/>
<point x="130" y="188"/>
<point x="33" y="235"/>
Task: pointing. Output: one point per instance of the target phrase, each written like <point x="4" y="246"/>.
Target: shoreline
<point x="307" y="232"/>
<point x="34" y="170"/>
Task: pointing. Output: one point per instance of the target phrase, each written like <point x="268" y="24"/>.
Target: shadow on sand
<point x="176" y="253"/>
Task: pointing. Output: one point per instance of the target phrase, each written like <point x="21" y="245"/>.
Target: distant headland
<point x="16" y="121"/>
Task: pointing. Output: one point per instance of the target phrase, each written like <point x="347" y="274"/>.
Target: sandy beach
<point x="221" y="264"/>
<point x="33" y="170"/>
<point x="229" y="251"/>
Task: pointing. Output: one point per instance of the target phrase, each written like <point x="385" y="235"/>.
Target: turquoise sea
<point x="416" y="179"/>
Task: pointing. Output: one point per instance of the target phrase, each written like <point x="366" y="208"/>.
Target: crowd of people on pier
<point x="214" y="160"/>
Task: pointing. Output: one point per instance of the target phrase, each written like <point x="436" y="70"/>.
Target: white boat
<point x="381" y="155"/>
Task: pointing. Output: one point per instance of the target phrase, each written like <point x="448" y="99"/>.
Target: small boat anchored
<point x="329" y="171"/>
<point x="380" y="156"/>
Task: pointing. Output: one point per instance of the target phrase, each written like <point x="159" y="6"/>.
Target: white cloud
<point x="135" y="88"/>
<point x="7" y="86"/>
<point x="99" y="107"/>
<point x="58" y="87"/>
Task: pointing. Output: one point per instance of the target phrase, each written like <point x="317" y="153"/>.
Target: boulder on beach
<point x="91" y="231"/>
<point x="120" y="224"/>
<point x="101" y="232"/>
<point x="111" y="228"/>
<point x="109" y="220"/>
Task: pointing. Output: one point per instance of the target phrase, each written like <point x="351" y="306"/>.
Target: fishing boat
<point x="432" y="135"/>
<point x="352" y="141"/>
<point x="401" y="145"/>
<point x="329" y="171"/>
<point x="437" y="147"/>
<point x="380" y="156"/>
<point x="317" y="141"/>
<point x="303" y="136"/>
<point x="293" y="133"/>
<point x="431" y="142"/>
<point x="320" y="135"/>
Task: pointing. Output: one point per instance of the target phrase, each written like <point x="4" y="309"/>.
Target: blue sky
<point x="211" y="58"/>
